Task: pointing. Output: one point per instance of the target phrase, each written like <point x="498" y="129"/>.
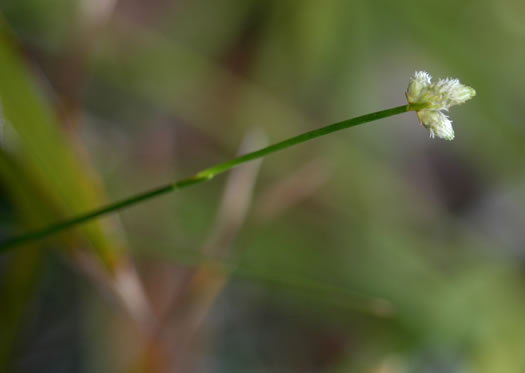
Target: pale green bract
<point x="436" y="98"/>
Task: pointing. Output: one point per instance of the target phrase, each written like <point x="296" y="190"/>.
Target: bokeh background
<point x="373" y="250"/>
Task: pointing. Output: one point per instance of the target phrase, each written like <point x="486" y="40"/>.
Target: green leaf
<point x="47" y="180"/>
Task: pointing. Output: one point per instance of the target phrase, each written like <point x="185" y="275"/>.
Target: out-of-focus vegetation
<point x="374" y="250"/>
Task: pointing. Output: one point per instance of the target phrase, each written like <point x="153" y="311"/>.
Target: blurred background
<point x="373" y="250"/>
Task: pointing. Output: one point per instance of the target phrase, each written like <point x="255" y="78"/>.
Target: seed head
<point x="434" y="99"/>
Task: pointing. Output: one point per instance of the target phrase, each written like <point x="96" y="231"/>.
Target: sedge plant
<point x="429" y="101"/>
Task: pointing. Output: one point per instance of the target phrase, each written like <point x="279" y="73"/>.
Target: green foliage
<point x="393" y="253"/>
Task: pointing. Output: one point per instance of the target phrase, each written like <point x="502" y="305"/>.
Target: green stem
<point x="202" y="176"/>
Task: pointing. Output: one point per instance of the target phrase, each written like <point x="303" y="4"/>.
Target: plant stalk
<point x="201" y="176"/>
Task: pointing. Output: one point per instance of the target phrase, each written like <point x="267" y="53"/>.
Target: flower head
<point x="434" y="98"/>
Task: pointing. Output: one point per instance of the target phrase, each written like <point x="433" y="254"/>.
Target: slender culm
<point x="201" y="176"/>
